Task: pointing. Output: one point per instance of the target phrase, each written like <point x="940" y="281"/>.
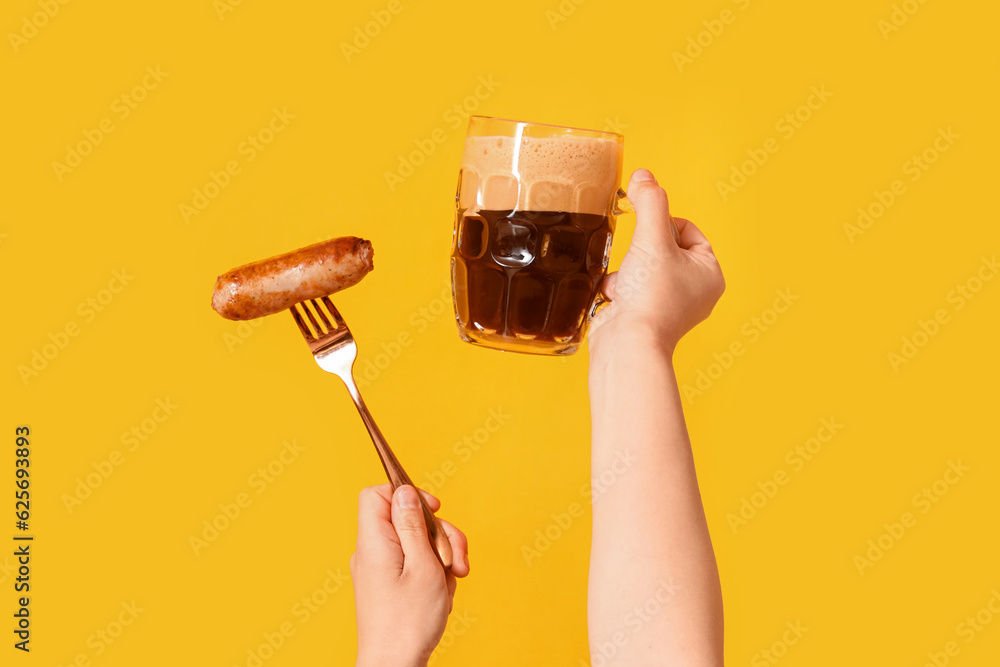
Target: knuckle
<point x="366" y="495"/>
<point x="650" y="190"/>
<point x="411" y="522"/>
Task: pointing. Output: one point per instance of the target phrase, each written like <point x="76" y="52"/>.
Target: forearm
<point x="653" y="576"/>
<point x="390" y="662"/>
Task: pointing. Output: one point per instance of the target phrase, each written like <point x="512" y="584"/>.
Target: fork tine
<point x="312" y="318"/>
<point x="322" y="315"/>
<point x="302" y="325"/>
<point x="336" y="314"/>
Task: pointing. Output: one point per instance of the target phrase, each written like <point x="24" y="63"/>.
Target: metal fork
<point x="334" y="349"/>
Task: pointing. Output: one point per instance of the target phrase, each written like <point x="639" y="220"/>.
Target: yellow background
<point x="608" y="66"/>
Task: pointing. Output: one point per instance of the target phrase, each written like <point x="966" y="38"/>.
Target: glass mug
<point x="535" y="214"/>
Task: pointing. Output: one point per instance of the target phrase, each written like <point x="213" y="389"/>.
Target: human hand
<point x="402" y="594"/>
<point x="663" y="287"/>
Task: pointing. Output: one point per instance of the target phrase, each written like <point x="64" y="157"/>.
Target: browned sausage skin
<point x="272" y="285"/>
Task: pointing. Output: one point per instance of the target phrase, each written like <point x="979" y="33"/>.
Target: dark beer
<point x="535" y="208"/>
<point x="530" y="275"/>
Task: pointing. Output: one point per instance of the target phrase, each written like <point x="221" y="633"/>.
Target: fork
<point x="334" y="349"/>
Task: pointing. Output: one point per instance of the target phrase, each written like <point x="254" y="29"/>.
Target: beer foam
<point x="573" y="174"/>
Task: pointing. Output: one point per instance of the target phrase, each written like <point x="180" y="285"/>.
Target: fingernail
<point x="406" y="497"/>
<point x="642" y="175"/>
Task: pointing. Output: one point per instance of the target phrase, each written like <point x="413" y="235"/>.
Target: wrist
<point x="402" y="654"/>
<point x="388" y="661"/>
<point x="630" y="333"/>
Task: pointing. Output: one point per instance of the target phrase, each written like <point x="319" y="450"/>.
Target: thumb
<point x="653" y="227"/>
<point x="408" y="520"/>
<point x="608" y="285"/>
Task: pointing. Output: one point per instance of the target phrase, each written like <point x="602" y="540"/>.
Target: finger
<point x="692" y="238"/>
<point x="408" y="521"/>
<point x="452" y="585"/>
<point x="432" y="501"/>
<point x="375" y="532"/>
<point x="608" y="285"/>
<point x="385" y="490"/>
<point x="459" y="549"/>
<point x="652" y="210"/>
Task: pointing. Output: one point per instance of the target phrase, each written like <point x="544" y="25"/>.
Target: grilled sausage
<point x="272" y="285"/>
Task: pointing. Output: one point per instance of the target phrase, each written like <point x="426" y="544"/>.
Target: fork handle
<point x="397" y="477"/>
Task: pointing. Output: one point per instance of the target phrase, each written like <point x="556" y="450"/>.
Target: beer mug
<point x="535" y="215"/>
